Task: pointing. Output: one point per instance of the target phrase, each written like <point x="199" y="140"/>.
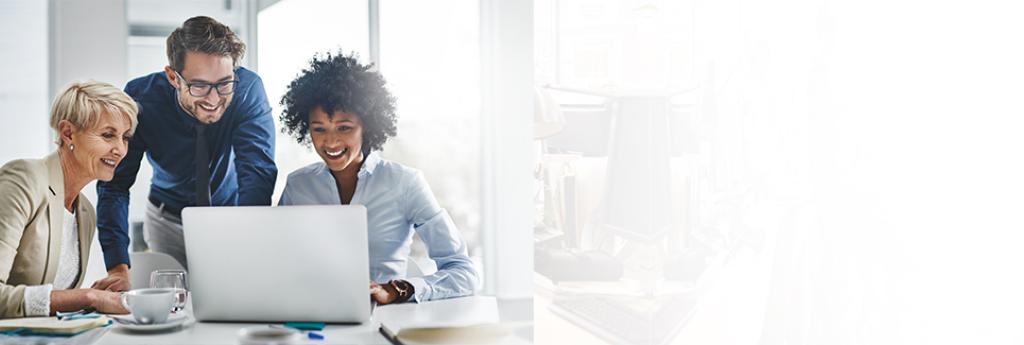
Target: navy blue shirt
<point x="242" y="170"/>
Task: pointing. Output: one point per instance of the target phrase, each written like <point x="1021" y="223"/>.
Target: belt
<point x="174" y="210"/>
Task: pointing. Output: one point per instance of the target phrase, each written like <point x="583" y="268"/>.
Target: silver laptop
<point x="278" y="264"/>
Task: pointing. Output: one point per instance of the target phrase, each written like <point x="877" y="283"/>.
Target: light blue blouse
<point x="398" y="201"/>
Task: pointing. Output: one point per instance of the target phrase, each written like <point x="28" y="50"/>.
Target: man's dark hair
<point x="337" y="82"/>
<point x="204" y="35"/>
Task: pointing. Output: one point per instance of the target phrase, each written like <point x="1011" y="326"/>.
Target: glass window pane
<point x="430" y="57"/>
<point x="290" y="33"/>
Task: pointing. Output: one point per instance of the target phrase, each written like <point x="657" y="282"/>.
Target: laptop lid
<point x="278" y="264"/>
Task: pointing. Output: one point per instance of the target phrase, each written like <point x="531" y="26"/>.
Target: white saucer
<point x="268" y="335"/>
<point x="173" y="321"/>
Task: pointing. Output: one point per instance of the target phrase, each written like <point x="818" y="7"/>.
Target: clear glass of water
<point x="174" y="279"/>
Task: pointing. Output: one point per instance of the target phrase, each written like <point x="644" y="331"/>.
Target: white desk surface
<point x="510" y="311"/>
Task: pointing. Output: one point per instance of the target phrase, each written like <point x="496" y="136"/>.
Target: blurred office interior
<point x="794" y="172"/>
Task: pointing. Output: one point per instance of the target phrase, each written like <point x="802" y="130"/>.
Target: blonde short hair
<point x="82" y="104"/>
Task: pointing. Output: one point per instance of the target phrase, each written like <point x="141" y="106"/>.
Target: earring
<point x="71" y="147"/>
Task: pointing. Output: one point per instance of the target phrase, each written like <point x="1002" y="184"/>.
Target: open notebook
<point x="469" y="320"/>
<point x="51" y="326"/>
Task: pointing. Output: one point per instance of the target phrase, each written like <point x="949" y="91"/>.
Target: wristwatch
<point x="404" y="289"/>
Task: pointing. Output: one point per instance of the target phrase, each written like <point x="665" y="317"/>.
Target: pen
<point x="86" y="313"/>
<point x="389" y="336"/>
<point x="309" y="334"/>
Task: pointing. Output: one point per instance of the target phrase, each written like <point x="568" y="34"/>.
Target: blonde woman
<point x="46" y="226"/>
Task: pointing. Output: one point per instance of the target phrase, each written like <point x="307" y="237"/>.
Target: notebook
<point x="464" y="320"/>
<point x="51" y="326"/>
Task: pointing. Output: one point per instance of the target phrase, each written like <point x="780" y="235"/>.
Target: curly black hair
<point x="337" y="82"/>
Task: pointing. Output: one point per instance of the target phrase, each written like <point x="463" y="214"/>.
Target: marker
<point x="309" y="334"/>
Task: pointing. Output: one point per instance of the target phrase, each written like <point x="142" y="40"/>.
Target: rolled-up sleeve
<point x="456" y="275"/>
<point x="37" y="300"/>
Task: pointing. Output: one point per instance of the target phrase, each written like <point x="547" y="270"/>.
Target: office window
<point x="290" y="33"/>
<point x="24" y="94"/>
<point x="430" y="57"/>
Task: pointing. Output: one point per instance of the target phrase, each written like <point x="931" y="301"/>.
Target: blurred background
<point x="783" y="172"/>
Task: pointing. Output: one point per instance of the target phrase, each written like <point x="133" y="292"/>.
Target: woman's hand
<point x="117" y="280"/>
<point x="106" y="302"/>
<point x="383" y="294"/>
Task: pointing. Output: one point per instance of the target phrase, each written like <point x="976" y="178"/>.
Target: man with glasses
<point x="209" y="134"/>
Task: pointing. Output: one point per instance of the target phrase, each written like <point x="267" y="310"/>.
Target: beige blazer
<point x="31" y="228"/>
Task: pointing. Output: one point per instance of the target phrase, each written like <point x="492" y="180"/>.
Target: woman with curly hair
<point x="344" y="110"/>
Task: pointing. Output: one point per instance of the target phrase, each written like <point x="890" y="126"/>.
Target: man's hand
<point x="383" y="294"/>
<point x="117" y="280"/>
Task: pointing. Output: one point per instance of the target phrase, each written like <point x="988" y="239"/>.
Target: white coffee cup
<point x="150" y="306"/>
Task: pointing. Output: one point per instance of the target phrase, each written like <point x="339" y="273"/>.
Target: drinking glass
<point x="174" y="279"/>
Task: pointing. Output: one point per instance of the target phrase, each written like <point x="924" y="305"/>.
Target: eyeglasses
<point x="224" y="88"/>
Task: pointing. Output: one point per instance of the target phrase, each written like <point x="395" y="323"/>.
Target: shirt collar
<point x="370" y="163"/>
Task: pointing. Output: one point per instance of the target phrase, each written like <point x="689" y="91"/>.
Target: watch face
<point x="403" y="288"/>
<point x="400" y="287"/>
